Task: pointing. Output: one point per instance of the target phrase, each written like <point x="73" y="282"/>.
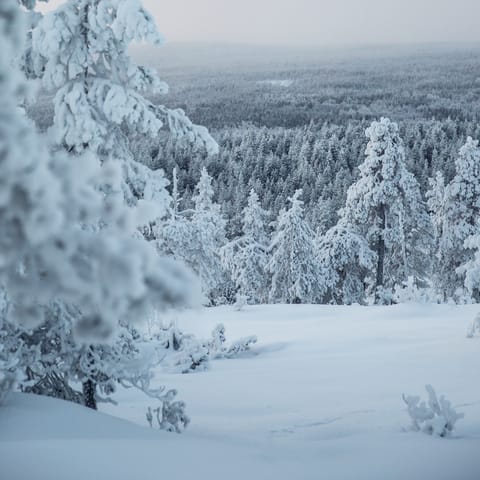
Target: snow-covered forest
<point x="164" y="214"/>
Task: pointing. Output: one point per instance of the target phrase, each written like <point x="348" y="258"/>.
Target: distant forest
<point x="288" y="119"/>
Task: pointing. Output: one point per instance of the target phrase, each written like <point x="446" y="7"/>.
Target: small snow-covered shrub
<point x="410" y="292"/>
<point x="218" y="339"/>
<point x="474" y="327"/>
<point x="240" y="302"/>
<point x="7" y="381"/>
<point x="184" y="353"/>
<point x="383" y="296"/>
<point x="180" y="352"/>
<point x="436" y="417"/>
<point x="191" y="356"/>
<point x="7" y="362"/>
<point x="239" y="346"/>
<point x="217" y="347"/>
<point x="171" y="415"/>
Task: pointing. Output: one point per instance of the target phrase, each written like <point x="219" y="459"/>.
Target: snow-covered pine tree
<point x="293" y="265"/>
<point x="209" y="237"/>
<point x="346" y="262"/>
<point x="47" y="254"/>
<point x="80" y="50"/>
<point x="460" y="222"/>
<point x="436" y="203"/>
<point x="196" y="236"/>
<point x="436" y="208"/>
<point x="246" y="257"/>
<point x="385" y="207"/>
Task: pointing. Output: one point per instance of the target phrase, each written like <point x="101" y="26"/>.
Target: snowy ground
<point x="320" y="399"/>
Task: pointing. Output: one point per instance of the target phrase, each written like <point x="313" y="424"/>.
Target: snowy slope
<point x="320" y="398"/>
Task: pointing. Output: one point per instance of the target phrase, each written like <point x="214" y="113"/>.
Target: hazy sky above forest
<point x="317" y="22"/>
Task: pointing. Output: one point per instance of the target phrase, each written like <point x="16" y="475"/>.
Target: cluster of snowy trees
<point x="322" y="159"/>
<point x="77" y="268"/>
<point x="390" y="242"/>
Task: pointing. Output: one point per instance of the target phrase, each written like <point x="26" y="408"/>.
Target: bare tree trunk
<point x="85" y="39"/>
<point x="89" y="387"/>
<point x="380" y="254"/>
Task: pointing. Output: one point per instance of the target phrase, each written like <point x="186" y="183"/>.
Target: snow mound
<point x="43" y="438"/>
<point x="27" y="417"/>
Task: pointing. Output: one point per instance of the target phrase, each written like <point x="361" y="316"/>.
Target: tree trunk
<point x="85" y="27"/>
<point x="380" y="254"/>
<point x="89" y="387"/>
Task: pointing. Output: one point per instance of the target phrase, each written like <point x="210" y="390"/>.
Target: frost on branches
<point x="217" y="347"/>
<point x="50" y="255"/>
<point x="80" y="51"/>
<point x="385" y="207"/>
<point x="293" y="264"/>
<point x="170" y="415"/>
<point x="183" y="353"/>
<point x="436" y="417"/>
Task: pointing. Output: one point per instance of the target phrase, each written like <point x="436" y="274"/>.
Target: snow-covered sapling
<point x="240" y="302"/>
<point x="182" y="353"/>
<point x="436" y="417"/>
<point x="217" y="345"/>
<point x="191" y="357"/>
<point x="217" y="342"/>
<point x="239" y="346"/>
<point x="474" y="327"/>
<point x="171" y="415"/>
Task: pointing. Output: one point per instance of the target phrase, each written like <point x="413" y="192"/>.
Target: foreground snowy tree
<point x="293" y="264"/>
<point x="385" y="208"/>
<point x="459" y="238"/>
<point x="80" y="51"/>
<point x="246" y="257"/>
<point x="48" y="255"/>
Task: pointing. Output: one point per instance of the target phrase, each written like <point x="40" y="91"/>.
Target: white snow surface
<point x="319" y="397"/>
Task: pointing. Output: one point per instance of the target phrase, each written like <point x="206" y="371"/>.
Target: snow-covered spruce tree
<point x="345" y="261"/>
<point x="209" y="237"/>
<point x="293" y="265"/>
<point x="385" y="207"/>
<point x="436" y="204"/>
<point x="196" y="237"/>
<point x="246" y="256"/>
<point x="460" y="230"/>
<point x="47" y="254"/>
<point x="436" y="208"/>
<point x="80" y="50"/>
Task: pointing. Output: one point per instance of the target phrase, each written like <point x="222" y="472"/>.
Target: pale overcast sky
<point x="317" y="22"/>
